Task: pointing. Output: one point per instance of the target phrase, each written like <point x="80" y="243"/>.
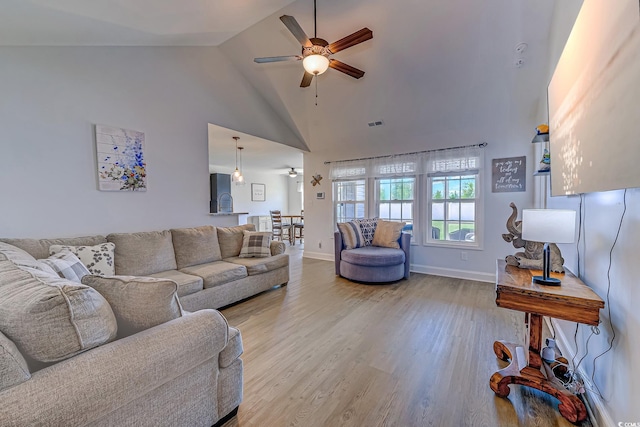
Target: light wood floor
<point x="324" y="351"/>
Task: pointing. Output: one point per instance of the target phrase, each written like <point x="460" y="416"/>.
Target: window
<point x="349" y="198"/>
<point x="453" y="208"/>
<point x="395" y="200"/>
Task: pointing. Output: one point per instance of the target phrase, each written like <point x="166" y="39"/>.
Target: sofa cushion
<point x="232" y="350"/>
<point x="39" y="248"/>
<point x="217" y="273"/>
<point x="255" y="244"/>
<point x="50" y="319"/>
<point x="387" y="234"/>
<point x="98" y="258"/>
<point x="26" y="261"/>
<point x="13" y="367"/>
<point x="230" y="239"/>
<point x="195" y="246"/>
<point x="141" y="254"/>
<point x="187" y="283"/>
<point x="351" y="234"/>
<point x="373" y="256"/>
<point x="138" y="303"/>
<point x="67" y="265"/>
<point x="257" y="266"/>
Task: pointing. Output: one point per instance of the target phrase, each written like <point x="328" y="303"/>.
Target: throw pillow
<point x="67" y="265"/>
<point x="98" y="259"/>
<point x="387" y="234"/>
<point x="138" y="303"/>
<point x="255" y="244"/>
<point x="230" y="239"/>
<point x="368" y="229"/>
<point x="49" y="318"/>
<point x="351" y="235"/>
<point x="25" y="261"/>
<point x="195" y="246"/>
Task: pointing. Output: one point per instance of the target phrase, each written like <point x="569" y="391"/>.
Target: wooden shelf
<point x="542" y="173"/>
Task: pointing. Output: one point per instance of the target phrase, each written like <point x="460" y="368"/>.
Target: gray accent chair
<point x="373" y="264"/>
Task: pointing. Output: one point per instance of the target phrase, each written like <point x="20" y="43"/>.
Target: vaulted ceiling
<point x="435" y="69"/>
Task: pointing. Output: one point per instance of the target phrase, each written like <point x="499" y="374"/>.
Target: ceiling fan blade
<point x="277" y="59"/>
<point x="297" y="31"/>
<point x="306" y="79"/>
<point x="347" y="69"/>
<point x="351" y="40"/>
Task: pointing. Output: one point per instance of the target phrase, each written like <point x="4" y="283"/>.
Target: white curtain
<point x="463" y="159"/>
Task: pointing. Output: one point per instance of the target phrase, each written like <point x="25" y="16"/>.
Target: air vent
<point x="376" y="123"/>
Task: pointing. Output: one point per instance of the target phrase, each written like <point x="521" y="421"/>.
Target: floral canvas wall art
<point x="121" y="163"/>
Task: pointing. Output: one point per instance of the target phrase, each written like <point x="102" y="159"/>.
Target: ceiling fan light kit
<point x="316" y="51"/>
<point x="293" y="173"/>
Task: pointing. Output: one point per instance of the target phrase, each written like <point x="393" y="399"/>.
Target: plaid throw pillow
<point x="351" y="234"/>
<point x="368" y="229"/>
<point x="67" y="265"/>
<point x="98" y="259"/>
<point x="255" y="244"/>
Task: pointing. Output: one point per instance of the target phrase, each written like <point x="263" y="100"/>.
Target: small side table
<point x="573" y="301"/>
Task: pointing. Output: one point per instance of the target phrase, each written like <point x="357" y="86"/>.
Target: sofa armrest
<point x="93" y="384"/>
<point x="405" y="245"/>
<point x="277" y="247"/>
<point x="337" y="248"/>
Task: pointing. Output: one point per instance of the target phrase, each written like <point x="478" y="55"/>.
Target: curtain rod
<point x="481" y="145"/>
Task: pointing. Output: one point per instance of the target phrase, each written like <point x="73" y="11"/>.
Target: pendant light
<point x="237" y="174"/>
<point x="293" y="173"/>
<point x="240" y="180"/>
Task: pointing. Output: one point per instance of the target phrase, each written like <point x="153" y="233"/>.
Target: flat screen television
<point x="594" y="101"/>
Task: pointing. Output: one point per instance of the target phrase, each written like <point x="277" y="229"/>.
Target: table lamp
<point x="548" y="226"/>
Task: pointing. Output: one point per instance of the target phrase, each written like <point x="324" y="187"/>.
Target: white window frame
<point x="478" y="242"/>
<point x="414" y="201"/>
<point x="335" y="193"/>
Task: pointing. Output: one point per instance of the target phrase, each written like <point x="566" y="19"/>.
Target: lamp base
<point x="549" y="281"/>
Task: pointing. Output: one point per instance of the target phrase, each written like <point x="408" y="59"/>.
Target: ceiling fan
<point x="316" y="51"/>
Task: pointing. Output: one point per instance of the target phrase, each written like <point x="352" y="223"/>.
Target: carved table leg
<point x="570" y="407"/>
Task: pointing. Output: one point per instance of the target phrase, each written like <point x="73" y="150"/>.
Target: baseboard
<point x="451" y="272"/>
<point x="596" y="408"/>
<point x="318" y="255"/>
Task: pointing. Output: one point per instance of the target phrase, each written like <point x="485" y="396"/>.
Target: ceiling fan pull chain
<point x="316" y="91"/>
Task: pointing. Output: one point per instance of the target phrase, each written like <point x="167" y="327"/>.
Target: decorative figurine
<point x="532" y="255"/>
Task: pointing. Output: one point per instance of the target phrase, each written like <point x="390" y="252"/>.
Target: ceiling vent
<point x="376" y="123"/>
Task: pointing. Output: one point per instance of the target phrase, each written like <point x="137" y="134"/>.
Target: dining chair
<point x="298" y="228"/>
<point x="278" y="229"/>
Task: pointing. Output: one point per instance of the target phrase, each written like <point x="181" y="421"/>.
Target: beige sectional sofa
<point x="64" y="359"/>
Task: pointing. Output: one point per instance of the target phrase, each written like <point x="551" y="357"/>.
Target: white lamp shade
<point x="315" y="64"/>
<point x="549" y="225"/>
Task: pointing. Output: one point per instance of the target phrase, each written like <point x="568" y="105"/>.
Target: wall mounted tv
<point x="594" y="101"/>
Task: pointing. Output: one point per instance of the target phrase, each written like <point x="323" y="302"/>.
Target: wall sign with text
<point x="509" y="174"/>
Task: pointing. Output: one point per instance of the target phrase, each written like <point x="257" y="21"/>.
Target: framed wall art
<point x="258" y="193"/>
<point x="121" y="163"/>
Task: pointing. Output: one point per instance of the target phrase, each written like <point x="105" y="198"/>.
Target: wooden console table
<point x="573" y="301"/>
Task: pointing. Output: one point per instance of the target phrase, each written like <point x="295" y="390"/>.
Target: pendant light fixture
<point x="293" y="173"/>
<point x="237" y="174"/>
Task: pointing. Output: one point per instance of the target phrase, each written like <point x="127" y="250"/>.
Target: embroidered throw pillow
<point x="255" y="244"/>
<point x="98" y="259"/>
<point x="67" y="265"/>
<point x="351" y="234"/>
<point x="368" y="229"/>
<point x="387" y="234"/>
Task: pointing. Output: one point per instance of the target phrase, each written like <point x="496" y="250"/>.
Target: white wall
<point x="616" y="374"/>
<point x="295" y="198"/>
<point x="52" y="97"/>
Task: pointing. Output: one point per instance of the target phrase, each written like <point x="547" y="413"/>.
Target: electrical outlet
<point x="463" y="256"/>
